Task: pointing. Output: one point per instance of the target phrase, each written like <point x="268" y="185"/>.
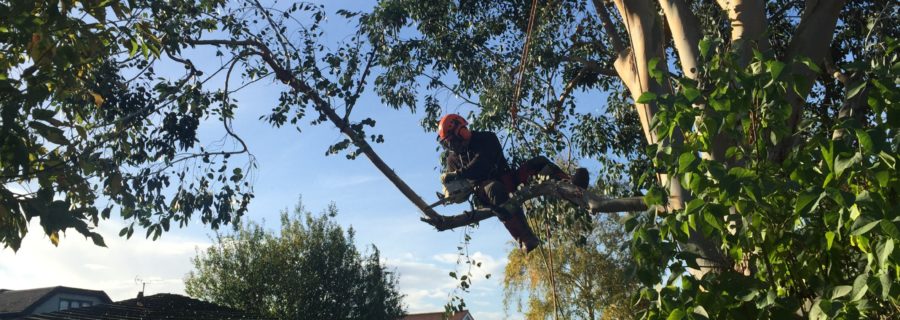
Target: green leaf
<point x="741" y="173"/>
<point x="115" y="183"/>
<point x="842" y="163"/>
<point x="676" y="314"/>
<point x="828" y="154"/>
<point x="841" y="291"/>
<point x="884" y="252"/>
<point x="693" y="205"/>
<point x="865" y="228"/>
<point x="701" y="311"/>
<point x="854" y="212"/>
<point x="865" y="141"/>
<point x="829" y="238"/>
<point x="686" y="160"/>
<point x="810" y="64"/>
<point x="883" y="177"/>
<point x="805" y="200"/>
<point x="712" y="220"/>
<point x="704" y="47"/>
<point x="647" y="97"/>
<point x="885" y="280"/>
<point x="691" y="93"/>
<point x="859" y="287"/>
<point x="52" y="134"/>
<point x="134" y="48"/>
<point x="43" y="114"/>
<point x="98" y="239"/>
<point x="775" y="67"/>
<point x="889" y="228"/>
<point x="855" y="90"/>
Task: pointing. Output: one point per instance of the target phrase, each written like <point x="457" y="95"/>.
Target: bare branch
<point x="592" y="66"/>
<point x="608" y="26"/>
<point x="360" y="85"/>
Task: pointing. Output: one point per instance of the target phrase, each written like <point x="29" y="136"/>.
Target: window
<point x="70" y="304"/>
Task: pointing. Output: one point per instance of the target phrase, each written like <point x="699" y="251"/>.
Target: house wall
<point x="52" y="304"/>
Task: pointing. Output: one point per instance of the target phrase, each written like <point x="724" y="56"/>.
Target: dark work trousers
<point x="494" y="193"/>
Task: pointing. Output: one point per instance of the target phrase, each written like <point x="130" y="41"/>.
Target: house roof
<point x="439" y="316"/>
<point x="20" y="301"/>
<point x="158" y="306"/>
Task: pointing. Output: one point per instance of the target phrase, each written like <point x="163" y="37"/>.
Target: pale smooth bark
<point x="685" y="29"/>
<point x="646" y="40"/>
<point x="748" y="26"/>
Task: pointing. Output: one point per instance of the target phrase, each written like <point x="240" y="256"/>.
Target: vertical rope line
<point x="514" y="107"/>
<point x="548" y="263"/>
<point x="552" y="277"/>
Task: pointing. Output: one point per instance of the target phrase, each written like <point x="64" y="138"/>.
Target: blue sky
<point x="294" y="165"/>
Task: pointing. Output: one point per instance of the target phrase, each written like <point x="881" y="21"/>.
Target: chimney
<point x="140" y="295"/>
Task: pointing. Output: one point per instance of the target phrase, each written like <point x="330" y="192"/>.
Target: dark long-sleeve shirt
<point x="482" y="160"/>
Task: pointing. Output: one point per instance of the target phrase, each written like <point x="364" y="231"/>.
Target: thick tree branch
<point x="591" y="66"/>
<point x="685" y="30"/>
<point x="556" y="189"/>
<point x="811" y="40"/>
<point x="606" y="20"/>
<point x="748" y="26"/>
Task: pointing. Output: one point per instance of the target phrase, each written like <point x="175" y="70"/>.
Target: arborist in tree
<point x="475" y="161"/>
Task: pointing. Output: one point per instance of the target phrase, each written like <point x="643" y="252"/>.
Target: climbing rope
<point x="523" y="62"/>
<point x="514" y="109"/>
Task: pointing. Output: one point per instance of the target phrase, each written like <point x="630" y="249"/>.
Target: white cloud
<point x="77" y="262"/>
<point x="163" y="264"/>
<point x="343" y="182"/>
<point x="428" y="285"/>
<point x="489" y="315"/>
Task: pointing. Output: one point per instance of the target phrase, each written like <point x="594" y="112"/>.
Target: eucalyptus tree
<point x="771" y="128"/>
<point x="770" y="144"/>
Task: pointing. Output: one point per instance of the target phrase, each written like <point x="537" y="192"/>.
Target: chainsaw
<point x="455" y="191"/>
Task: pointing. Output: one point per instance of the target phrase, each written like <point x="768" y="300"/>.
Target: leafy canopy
<point x="102" y="102"/>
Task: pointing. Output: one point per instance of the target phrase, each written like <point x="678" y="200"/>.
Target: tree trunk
<point x="646" y="39"/>
<point x="685" y="29"/>
<point x="748" y="26"/>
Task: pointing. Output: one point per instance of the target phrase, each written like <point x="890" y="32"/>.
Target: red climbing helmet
<point x="453" y="126"/>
